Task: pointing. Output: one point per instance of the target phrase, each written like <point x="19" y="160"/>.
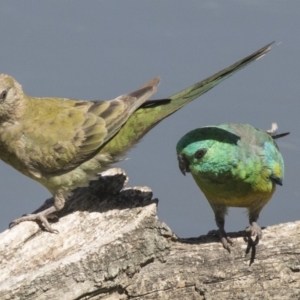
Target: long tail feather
<point x="145" y="118"/>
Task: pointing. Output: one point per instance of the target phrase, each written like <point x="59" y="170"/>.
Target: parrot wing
<point x="72" y="134"/>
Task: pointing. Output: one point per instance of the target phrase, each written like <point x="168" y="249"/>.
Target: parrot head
<point x="184" y="159"/>
<point x="201" y="150"/>
<point x="10" y="94"/>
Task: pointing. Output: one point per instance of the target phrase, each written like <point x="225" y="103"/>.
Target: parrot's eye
<point x="3" y="95"/>
<point x="200" y="153"/>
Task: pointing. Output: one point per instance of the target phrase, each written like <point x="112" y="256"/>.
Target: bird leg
<point x="220" y="212"/>
<point x="254" y="228"/>
<point x="225" y="240"/>
<point x="42" y="217"/>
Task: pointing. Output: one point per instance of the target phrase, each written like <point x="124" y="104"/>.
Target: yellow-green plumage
<point x="234" y="165"/>
<point x="56" y="141"/>
<point x="63" y="143"/>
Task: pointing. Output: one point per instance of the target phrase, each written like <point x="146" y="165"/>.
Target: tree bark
<point x="111" y="245"/>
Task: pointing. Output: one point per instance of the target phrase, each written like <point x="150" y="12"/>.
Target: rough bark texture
<point x="111" y="245"/>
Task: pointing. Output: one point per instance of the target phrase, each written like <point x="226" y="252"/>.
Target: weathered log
<point x="111" y="245"/>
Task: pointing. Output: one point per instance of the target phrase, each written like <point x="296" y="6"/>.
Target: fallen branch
<point x="111" y="245"/>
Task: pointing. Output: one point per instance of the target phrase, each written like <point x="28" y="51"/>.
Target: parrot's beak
<point x="276" y="180"/>
<point x="183" y="164"/>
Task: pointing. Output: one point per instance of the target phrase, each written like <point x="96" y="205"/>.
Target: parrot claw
<point x="42" y="217"/>
<point x="254" y="229"/>
<point x="225" y="240"/>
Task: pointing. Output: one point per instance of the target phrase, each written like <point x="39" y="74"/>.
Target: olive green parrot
<point x="63" y="143"/>
<point x="234" y="165"/>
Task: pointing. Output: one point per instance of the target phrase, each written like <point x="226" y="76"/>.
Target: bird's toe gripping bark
<point x="225" y="240"/>
<point x="42" y="217"/>
<point x="254" y="229"/>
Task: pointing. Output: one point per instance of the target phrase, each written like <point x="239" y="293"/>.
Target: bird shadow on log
<point x="212" y="237"/>
<point x="106" y="193"/>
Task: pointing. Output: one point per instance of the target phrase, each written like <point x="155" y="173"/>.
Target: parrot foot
<point x="225" y="240"/>
<point x="254" y="229"/>
<point x="42" y="217"/>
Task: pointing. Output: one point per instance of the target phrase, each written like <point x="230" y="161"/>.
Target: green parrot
<point x="234" y="165"/>
<point x="63" y="143"/>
